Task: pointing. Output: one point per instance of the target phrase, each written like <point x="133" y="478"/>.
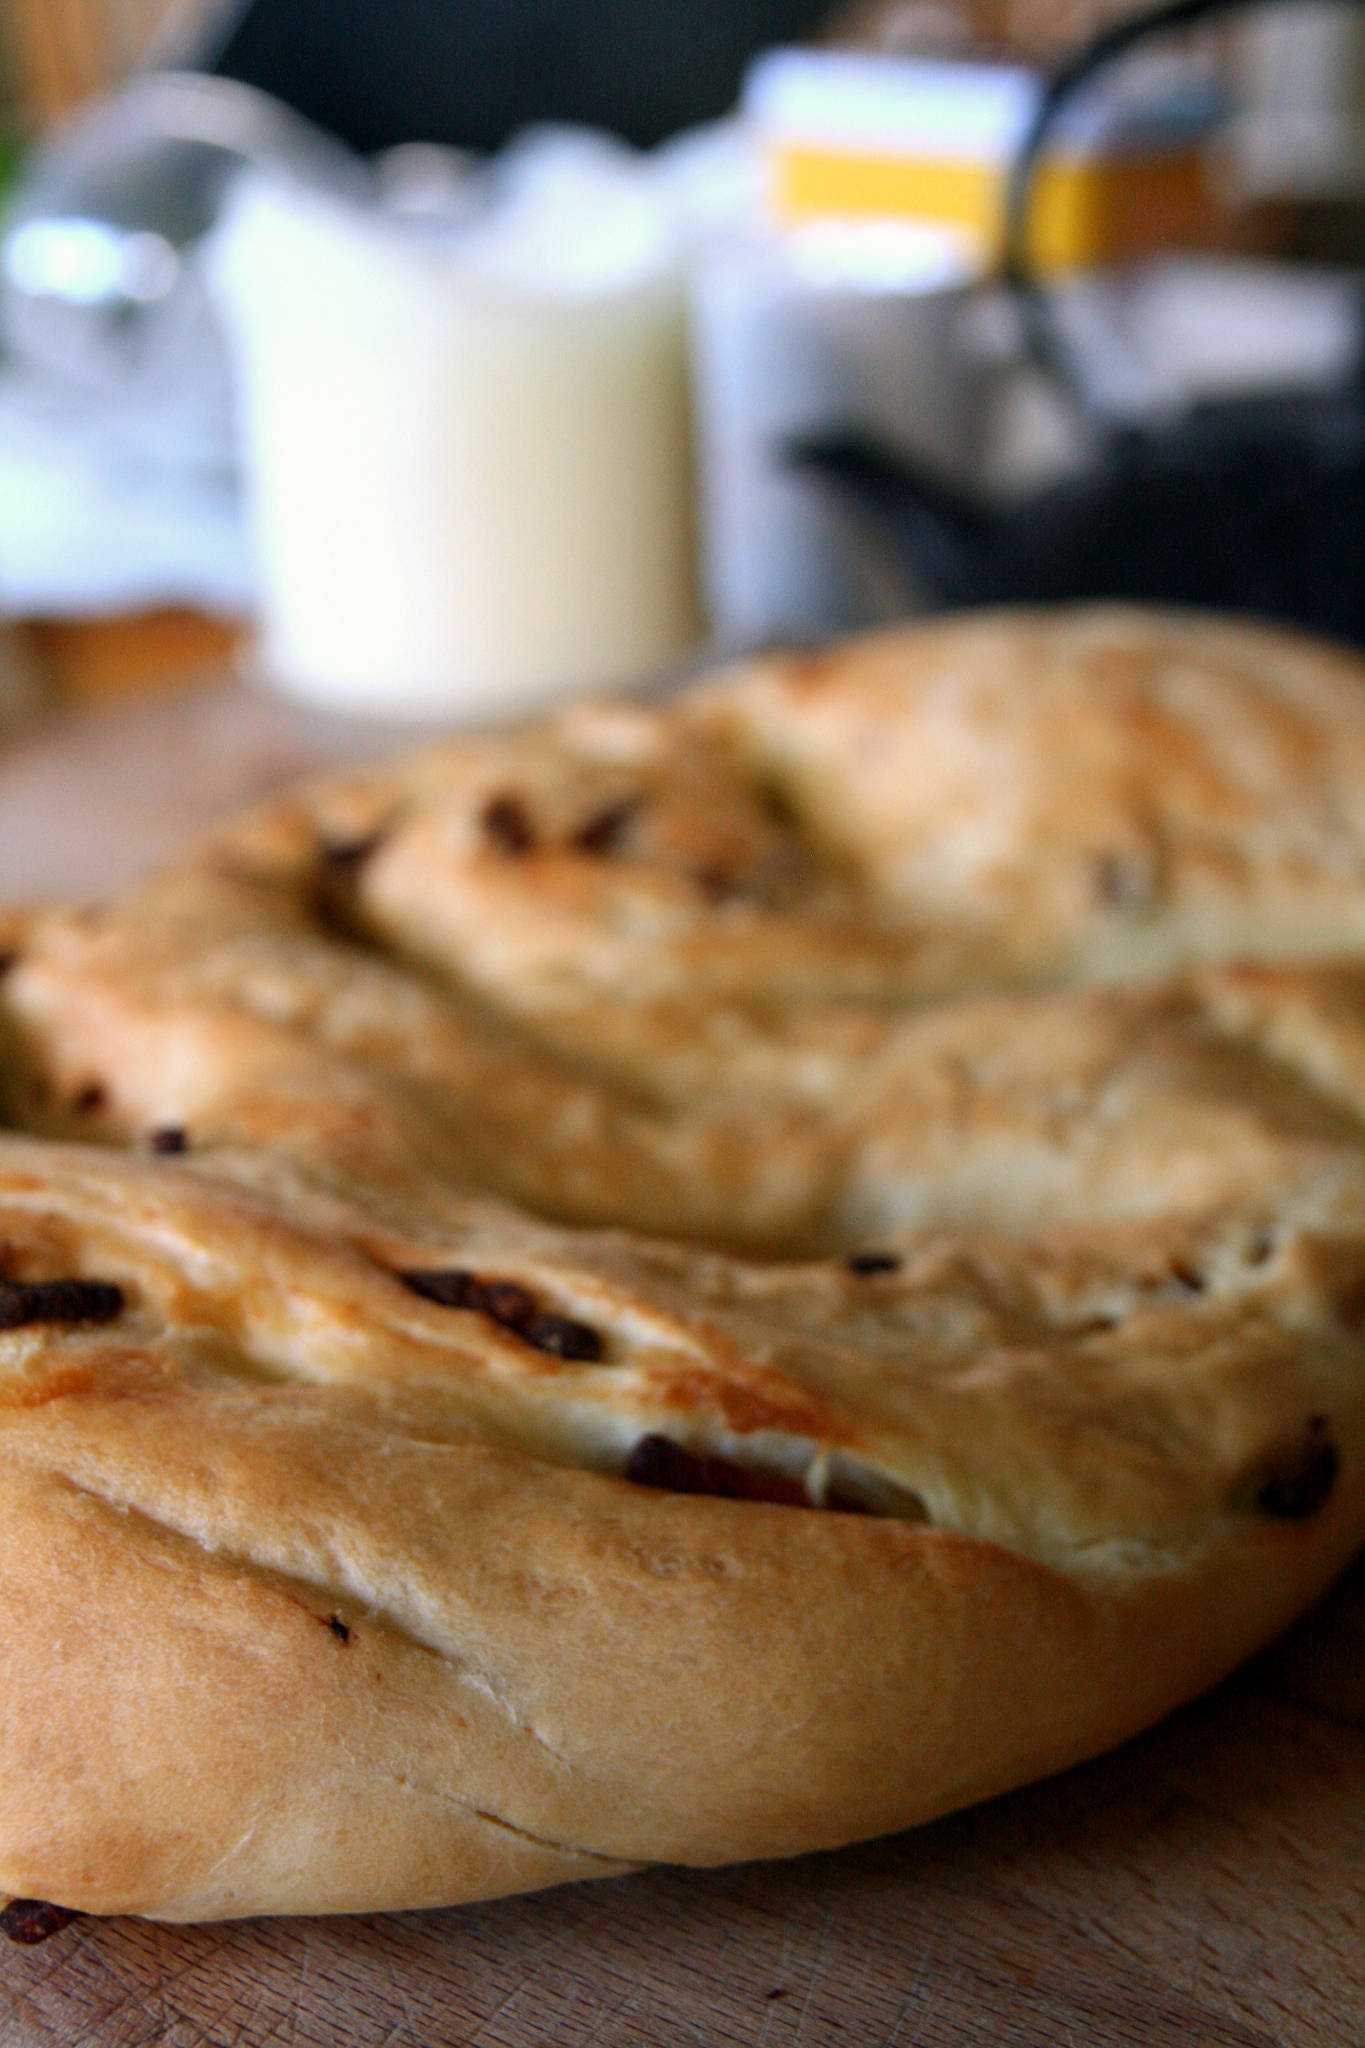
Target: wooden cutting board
<point x="1202" y="1888"/>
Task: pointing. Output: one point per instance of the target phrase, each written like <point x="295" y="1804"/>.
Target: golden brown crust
<point x="337" y="1575"/>
<point x="1099" y="792"/>
<point x="330" y="1622"/>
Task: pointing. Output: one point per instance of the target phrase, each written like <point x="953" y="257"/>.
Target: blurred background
<point x="422" y="359"/>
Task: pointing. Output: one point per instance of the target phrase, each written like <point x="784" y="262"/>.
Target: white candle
<point x="467" y="450"/>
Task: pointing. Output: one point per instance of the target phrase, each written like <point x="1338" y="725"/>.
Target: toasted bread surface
<point x="688" y="1282"/>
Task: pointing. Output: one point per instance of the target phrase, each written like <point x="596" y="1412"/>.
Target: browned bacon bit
<point x="30" y="1921"/>
<point x="1187" y="1276"/>
<point x="873" y="1262"/>
<point x="340" y="1629"/>
<point x="562" y="1337"/>
<point x="90" y="1098"/>
<point x="778" y="806"/>
<point x="446" y="1286"/>
<point x="506" y="1302"/>
<point x="1297" y="1482"/>
<point x="1350" y="1304"/>
<point x="604" y="831"/>
<point x="169" y="1139"/>
<point x="512" y="1307"/>
<point x="507" y="823"/>
<point x="717" y="884"/>
<point x="1123" y="881"/>
<point x="337" y="874"/>
<point x="58" y="1301"/>
<point x="344" y="856"/>
<point x="658" y="1461"/>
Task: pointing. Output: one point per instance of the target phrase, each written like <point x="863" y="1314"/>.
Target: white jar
<point x="467" y="445"/>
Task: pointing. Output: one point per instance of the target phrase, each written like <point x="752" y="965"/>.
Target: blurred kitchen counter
<point x="84" y="659"/>
<point x="148" y="729"/>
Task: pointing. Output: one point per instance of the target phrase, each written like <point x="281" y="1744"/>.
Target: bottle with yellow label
<point x="851" y="136"/>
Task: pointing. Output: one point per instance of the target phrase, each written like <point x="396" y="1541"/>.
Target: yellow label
<point x="1084" y="210"/>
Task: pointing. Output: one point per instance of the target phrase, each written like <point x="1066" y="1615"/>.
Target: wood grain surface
<point x="96" y="795"/>
<point x="1205" y="1885"/>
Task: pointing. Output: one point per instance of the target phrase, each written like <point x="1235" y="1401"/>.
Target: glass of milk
<point x="466" y="437"/>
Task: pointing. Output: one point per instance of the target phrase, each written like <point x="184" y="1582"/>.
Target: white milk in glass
<point x="467" y="446"/>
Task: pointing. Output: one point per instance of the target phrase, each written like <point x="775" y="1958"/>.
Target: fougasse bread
<point x="691" y="1281"/>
